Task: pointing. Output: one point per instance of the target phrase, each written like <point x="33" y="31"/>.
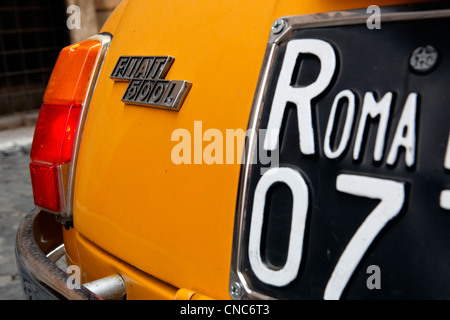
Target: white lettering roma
<point x="381" y="110"/>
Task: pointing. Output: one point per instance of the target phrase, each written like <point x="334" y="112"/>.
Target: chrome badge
<point x="147" y="85"/>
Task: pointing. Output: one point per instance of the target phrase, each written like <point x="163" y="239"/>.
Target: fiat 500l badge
<point x="147" y="85"/>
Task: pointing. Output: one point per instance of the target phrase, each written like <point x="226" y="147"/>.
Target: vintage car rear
<point x="245" y="149"/>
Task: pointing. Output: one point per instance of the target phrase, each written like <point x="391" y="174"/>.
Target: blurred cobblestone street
<point x="16" y="201"/>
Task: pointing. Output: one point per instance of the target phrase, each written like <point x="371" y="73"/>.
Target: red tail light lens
<point x="45" y="184"/>
<point x="55" y="132"/>
<point x="57" y="125"/>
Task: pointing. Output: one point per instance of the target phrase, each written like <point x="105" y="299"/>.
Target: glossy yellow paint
<point x="172" y="222"/>
<point x="95" y="263"/>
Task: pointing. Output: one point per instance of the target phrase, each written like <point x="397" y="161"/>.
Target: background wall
<point x="32" y="33"/>
<point x="104" y="9"/>
<point x="93" y="16"/>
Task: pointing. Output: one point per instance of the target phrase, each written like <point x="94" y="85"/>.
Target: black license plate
<point x="357" y="204"/>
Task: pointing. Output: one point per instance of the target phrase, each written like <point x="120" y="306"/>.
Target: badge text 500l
<point x="147" y="85"/>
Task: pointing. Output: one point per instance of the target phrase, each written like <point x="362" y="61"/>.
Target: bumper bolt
<point x="235" y="290"/>
<point x="278" y="26"/>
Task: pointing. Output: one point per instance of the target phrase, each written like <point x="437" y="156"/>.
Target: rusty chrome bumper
<point x="38" y="238"/>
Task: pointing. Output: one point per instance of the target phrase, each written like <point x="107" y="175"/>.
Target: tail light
<point x="59" y="123"/>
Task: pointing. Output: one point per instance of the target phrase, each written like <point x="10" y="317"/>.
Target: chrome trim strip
<point x="67" y="214"/>
<point x="293" y="23"/>
<point x="56" y="253"/>
<point x="63" y="179"/>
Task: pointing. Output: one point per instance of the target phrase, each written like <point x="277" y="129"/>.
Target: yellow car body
<point x="167" y="228"/>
